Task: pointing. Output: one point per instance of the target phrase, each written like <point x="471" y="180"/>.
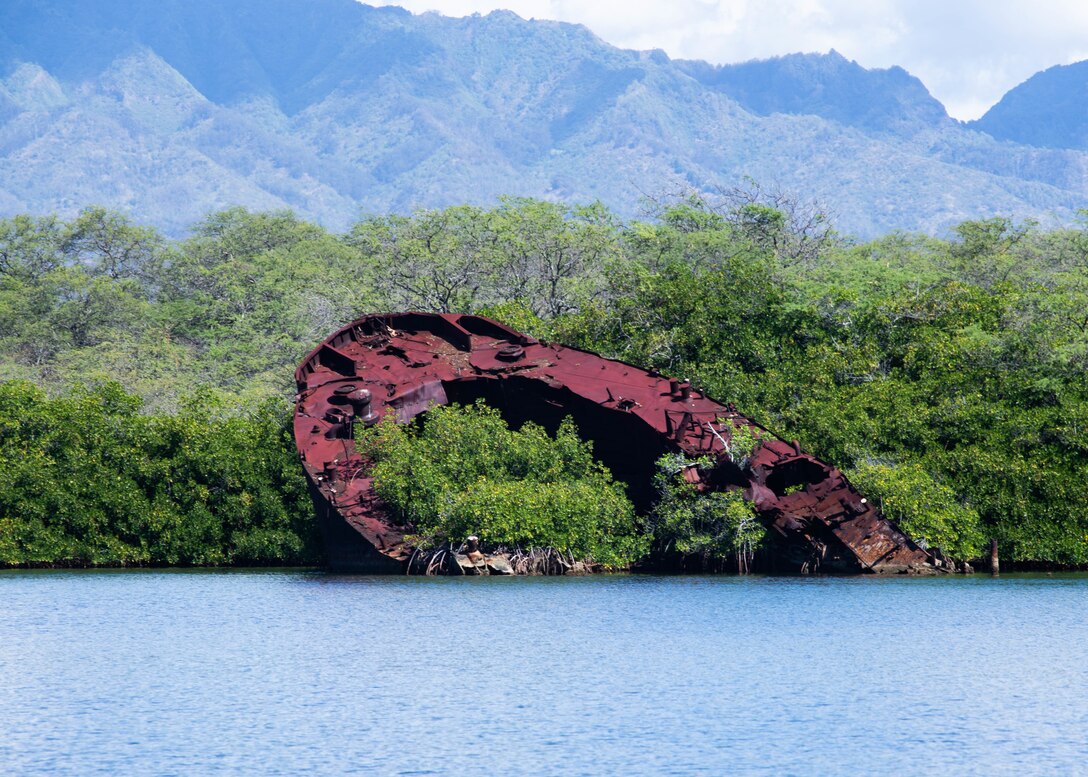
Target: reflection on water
<point x="165" y="672"/>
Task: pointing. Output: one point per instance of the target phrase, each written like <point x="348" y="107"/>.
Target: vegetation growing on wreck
<point x="712" y="531"/>
<point x="956" y="367"/>
<point x="459" y="472"/>
<point x="462" y="472"/>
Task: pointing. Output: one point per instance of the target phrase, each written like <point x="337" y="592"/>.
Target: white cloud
<point x="967" y="52"/>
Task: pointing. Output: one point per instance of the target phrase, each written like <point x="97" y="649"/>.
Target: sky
<point x="967" y="52"/>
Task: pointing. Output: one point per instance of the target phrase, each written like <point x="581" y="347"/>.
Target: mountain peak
<point x="29" y="87"/>
<point x="831" y="86"/>
<point x="150" y="91"/>
<point x="504" y="15"/>
<point x="1047" y="110"/>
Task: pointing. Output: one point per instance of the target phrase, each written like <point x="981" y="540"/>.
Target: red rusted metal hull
<point x="406" y="361"/>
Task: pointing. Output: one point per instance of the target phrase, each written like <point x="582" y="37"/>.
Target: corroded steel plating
<point x="407" y="361"/>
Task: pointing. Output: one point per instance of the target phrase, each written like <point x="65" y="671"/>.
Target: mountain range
<point x="333" y="109"/>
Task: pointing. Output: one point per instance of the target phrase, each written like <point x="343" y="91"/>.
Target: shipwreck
<point x="406" y="362"/>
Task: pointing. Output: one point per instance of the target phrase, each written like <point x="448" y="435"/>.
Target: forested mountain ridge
<point x="1047" y="110"/>
<point x="885" y="101"/>
<point x="333" y="108"/>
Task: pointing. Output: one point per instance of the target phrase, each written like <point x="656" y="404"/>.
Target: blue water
<point x="153" y="672"/>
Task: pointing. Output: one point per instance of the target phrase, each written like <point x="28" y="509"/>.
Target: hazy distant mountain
<point x="1049" y="109"/>
<point x="827" y="85"/>
<point x="332" y="108"/>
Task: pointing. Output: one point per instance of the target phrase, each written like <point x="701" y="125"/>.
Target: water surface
<point x="165" y="672"/>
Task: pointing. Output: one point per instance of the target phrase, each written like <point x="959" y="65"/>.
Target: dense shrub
<point x="925" y="509"/>
<point x="86" y="479"/>
<point x="462" y="471"/>
<point x="712" y="526"/>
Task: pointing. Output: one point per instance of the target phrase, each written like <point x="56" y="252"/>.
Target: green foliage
<point x="713" y="526"/>
<point x="742" y="444"/>
<point x="86" y="479"/>
<point x="464" y="472"/>
<point x="542" y="256"/>
<point x="963" y="357"/>
<point x="926" y="509"/>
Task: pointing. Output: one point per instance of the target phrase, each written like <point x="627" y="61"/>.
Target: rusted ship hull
<point x="407" y="361"/>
